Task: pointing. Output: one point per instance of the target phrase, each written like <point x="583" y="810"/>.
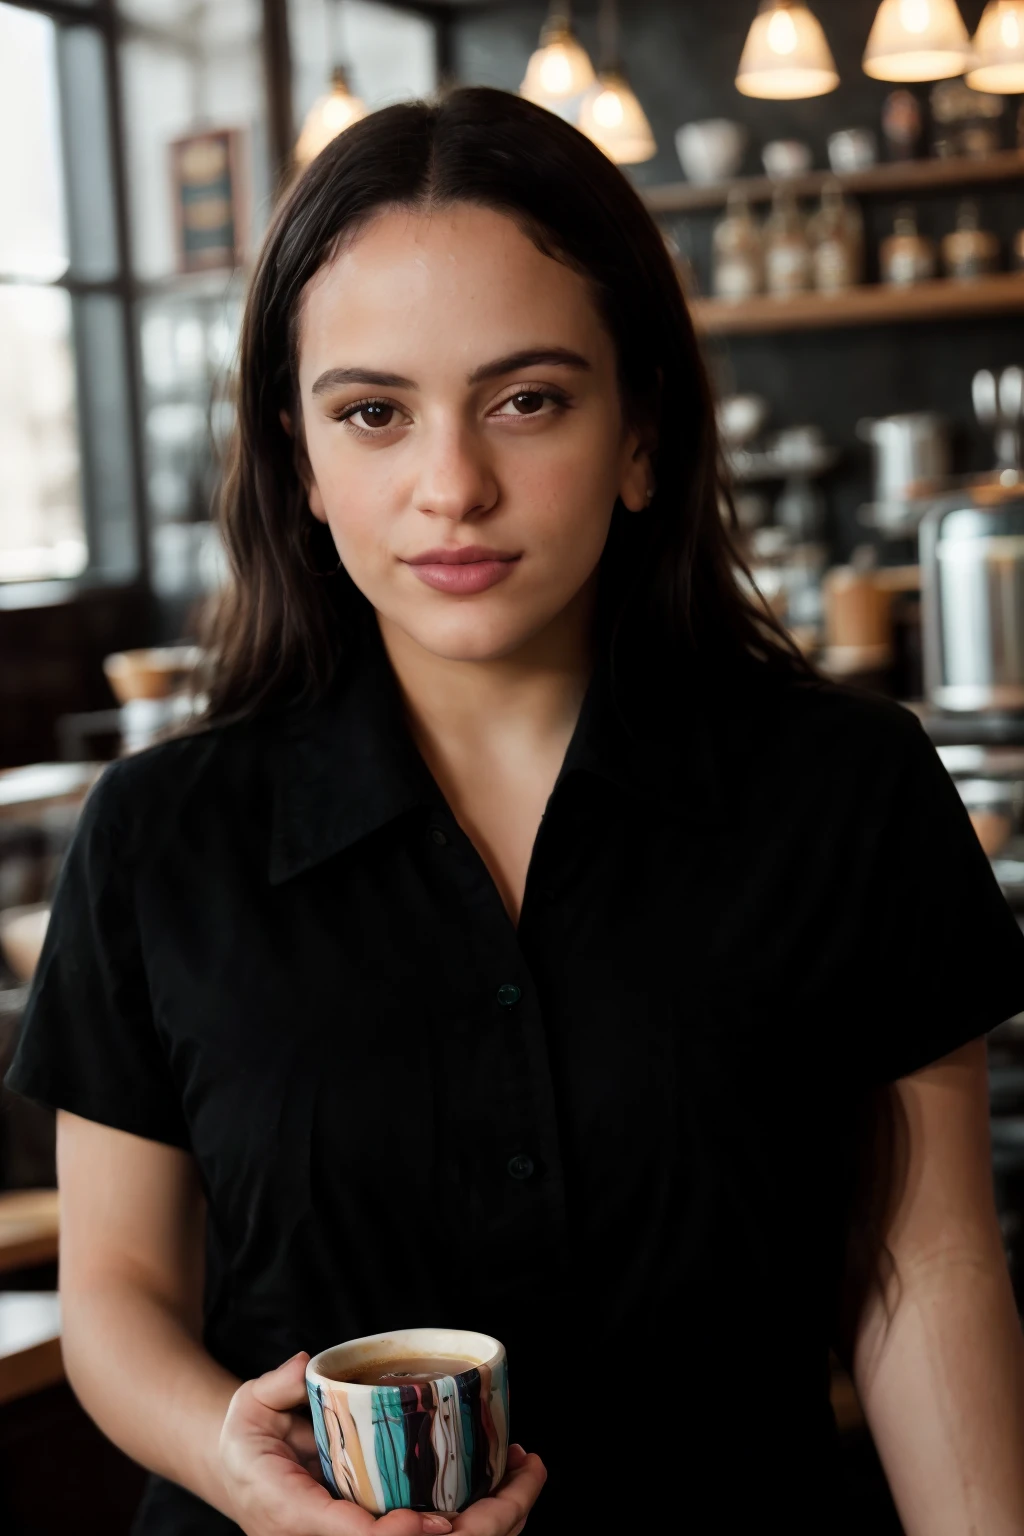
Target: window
<point x="114" y="362"/>
<point x="189" y="69"/>
<point x="42" y="522"/>
<point x="67" y="487"/>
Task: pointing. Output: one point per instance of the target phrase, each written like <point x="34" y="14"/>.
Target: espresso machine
<point x="971" y="542"/>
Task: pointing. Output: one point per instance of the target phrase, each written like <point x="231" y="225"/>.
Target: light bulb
<point x="915" y="15"/>
<point x="782" y="33"/>
<point x="611" y="115"/>
<point x="327" y="117"/>
<point x="555" y="71"/>
<point x="337" y="114"/>
<point x="559" y="70"/>
<point x="786" y="55"/>
<point x="999" y="49"/>
<point x="608" y="109"/>
<point x="917" y="40"/>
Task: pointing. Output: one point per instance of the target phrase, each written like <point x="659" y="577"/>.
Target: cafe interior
<point x="841" y="188"/>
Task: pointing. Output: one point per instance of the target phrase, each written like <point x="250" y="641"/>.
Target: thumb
<point x="284" y="1387"/>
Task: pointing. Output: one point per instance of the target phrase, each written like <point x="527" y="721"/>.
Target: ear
<point x="304" y="470"/>
<point x="637" y="482"/>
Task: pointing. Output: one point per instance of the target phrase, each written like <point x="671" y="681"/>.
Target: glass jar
<point x="970" y="252"/>
<point x="907" y="256"/>
<point x="737" y="252"/>
<point x="836" y="234"/>
<point x="787" y="251"/>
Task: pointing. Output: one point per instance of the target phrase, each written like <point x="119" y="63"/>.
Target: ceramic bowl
<point x="712" y="150"/>
<point x="786" y="157"/>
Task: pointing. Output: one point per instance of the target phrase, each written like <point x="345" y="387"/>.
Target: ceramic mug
<point x="431" y="1446"/>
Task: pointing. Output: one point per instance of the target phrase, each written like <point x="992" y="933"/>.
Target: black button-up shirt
<point x="617" y="1135"/>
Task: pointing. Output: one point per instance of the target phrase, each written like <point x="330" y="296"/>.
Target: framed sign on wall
<point x="210" y="198"/>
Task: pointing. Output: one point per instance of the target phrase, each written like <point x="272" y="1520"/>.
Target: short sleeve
<point x="945" y="954"/>
<point x="88" y="1042"/>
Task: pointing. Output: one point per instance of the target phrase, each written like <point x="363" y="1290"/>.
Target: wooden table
<point x="30" y="1356"/>
<point x="28" y="1228"/>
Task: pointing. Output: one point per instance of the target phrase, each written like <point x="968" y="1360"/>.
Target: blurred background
<point x="841" y="187"/>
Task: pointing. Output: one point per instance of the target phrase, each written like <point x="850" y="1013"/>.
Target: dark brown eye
<point x="528" y="402"/>
<point x="376" y="415"/>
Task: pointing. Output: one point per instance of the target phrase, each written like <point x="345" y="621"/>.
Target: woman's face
<point x="458" y="392"/>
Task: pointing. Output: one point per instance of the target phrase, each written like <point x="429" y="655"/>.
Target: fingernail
<point x="436" y="1523"/>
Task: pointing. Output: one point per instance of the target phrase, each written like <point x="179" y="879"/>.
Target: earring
<point x="650" y="494"/>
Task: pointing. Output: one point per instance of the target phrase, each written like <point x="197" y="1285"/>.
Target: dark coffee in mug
<point x="403" y="1370"/>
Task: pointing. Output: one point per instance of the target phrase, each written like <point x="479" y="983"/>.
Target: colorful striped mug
<point x="431" y="1446"/>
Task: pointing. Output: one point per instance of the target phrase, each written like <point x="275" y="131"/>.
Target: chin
<point x="470" y="633"/>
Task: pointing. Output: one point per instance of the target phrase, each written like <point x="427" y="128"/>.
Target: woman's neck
<point x="512" y="709"/>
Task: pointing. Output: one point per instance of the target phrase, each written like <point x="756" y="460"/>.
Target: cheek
<point x="356" y="488"/>
<point x="565" y="499"/>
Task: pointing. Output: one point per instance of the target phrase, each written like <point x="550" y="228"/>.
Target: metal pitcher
<point x="972" y="592"/>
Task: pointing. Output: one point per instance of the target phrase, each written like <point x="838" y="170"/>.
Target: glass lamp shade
<point x="611" y="115"/>
<point x="327" y="117"/>
<point x="786" y="56"/>
<point x="999" y="49"/>
<point x="917" y="40"/>
<point x="560" y="68"/>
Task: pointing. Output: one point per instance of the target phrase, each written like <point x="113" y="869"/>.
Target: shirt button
<point x="520" y="1166"/>
<point x="439" y="837"/>
<point x="508" y="994"/>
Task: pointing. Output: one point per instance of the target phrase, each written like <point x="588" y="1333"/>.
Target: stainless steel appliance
<point x="911" y="460"/>
<point x="972" y="589"/>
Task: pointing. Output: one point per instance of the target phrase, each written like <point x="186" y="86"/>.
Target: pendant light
<point x="999" y="49"/>
<point x="610" y="113"/>
<point x="786" y="56"/>
<point x="332" y="113"/>
<point x="560" y="70"/>
<point x="917" y="40"/>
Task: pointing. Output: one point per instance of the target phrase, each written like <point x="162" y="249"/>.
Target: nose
<point x="454" y="479"/>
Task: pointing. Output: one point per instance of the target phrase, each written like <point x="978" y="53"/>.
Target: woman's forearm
<point x="148" y="1383"/>
<point x="942" y="1387"/>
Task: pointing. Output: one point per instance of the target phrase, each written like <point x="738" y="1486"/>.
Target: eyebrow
<point x="529" y="357"/>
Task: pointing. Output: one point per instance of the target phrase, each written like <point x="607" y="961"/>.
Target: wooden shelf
<point x="872" y="304"/>
<point x="904" y="176"/>
<point x="29" y="1226"/>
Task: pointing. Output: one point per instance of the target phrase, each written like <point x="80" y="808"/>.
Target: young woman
<point x="528" y="943"/>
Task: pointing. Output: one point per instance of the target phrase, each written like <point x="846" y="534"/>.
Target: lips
<point x="462" y="571"/>
<point x="470" y="554"/>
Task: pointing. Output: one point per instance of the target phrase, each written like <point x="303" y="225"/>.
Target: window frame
<point x="131" y="566"/>
<point x="128" y="562"/>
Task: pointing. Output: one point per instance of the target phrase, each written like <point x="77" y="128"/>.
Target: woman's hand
<point x="272" y="1477"/>
<point x="271" y="1468"/>
<point x="505" y="1512"/>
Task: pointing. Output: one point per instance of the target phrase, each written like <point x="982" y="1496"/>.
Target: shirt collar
<point x="348" y="765"/>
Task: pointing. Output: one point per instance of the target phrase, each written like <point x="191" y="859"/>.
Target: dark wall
<point x="51" y="664"/>
<point x="681" y="56"/>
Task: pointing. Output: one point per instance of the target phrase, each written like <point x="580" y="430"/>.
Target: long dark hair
<point x="670" y="577"/>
